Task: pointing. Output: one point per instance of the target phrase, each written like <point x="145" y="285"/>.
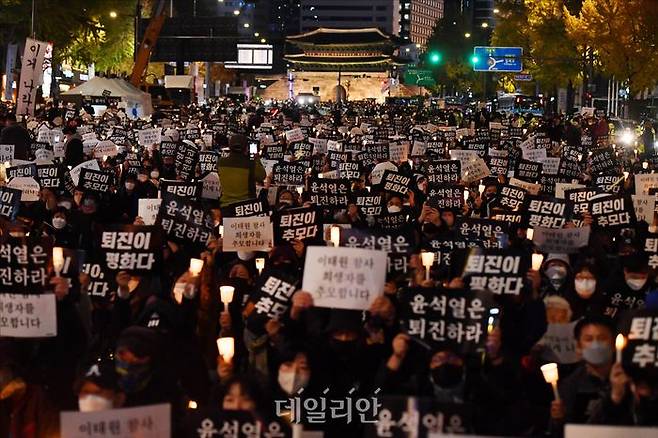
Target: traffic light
<point x="434" y="57"/>
<point x="475" y="60"/>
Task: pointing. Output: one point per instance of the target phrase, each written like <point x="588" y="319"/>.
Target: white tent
<point x="136" y="101"/>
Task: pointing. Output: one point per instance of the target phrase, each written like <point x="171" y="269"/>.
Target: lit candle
<point x="551" y="376"/>
<point x="620" y="343"/>
<point x="529" y="234"/>
<point x="481" y="188"/>
<point x="58" y="260"/>
<point x="645" y="165"/>
<point x="260" y="264"/>
<point x="192" y="404"/>
<point x="226" y="295"/>
<point x="226" y="348"/>
<point x="427" y="259"/>
<point x="196" y="265"/>
<point x="221" y="231"/>
<point x="335" y="236"/>
<point x="537" y="259"/>
<point x="625" y="175"/>
<point x="300" y="190"/>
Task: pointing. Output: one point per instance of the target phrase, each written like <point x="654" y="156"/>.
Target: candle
<point x="427" y="259"/>
<point x="335" y="236"/>
<point x="196" y="265"/>
<point x="466" y="195"/>
<point x="226" y="295"/>
<point x="551" y="376"/>
<point x="537" y="259"/>
<point x="260" y="264"/>
<point x="620" y="343"/>
<point x="226" y="348"/>
<point x="221" y="231"/>
<point x="300" y="190"/>
<point x="192" y="404"/>
<point x="58" y="260"/>
<point x="481" y="188"/>
<point x="529" y="234"/>
<point x="645" y="165"/>
<point x="625" y="175"/>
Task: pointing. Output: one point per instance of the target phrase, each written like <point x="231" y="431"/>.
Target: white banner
<point x="247" y="234"/>
<point x="561" y="240"/>
<point x="344" y="278"/>
<point x="31" y="76"/>
<point x="147" y="209"/>
<point x="152" y="421"/>
<point x="10" y="69"/>
<point x="28" y="316"/>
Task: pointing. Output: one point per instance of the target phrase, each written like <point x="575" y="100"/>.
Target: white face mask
<point x="130" y="185"/>
<point x="585" y="287"/>
<point x="394" y="209"/>
<point x="59" y="223"/>
<point x="94" y="403"/>
<point x="292" y="381"/>
<point x="155" y="174"/>
<point x="636" y="283"/>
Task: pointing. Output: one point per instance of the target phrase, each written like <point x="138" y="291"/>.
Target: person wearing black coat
<point x="73" y="154"/>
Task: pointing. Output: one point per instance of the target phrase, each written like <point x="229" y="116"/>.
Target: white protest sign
<point x="147" y="209"/>
<point x="531" y="188"/>
<point x="418" y="149"/>
<point x="561" y="240"/>
<point x="644" y="206"/>
<point x="560" y="188"/>
<point x="105" y="148"/>
<point x="550" y="165"/>
<point x="344" y="278"/>
<point x="247" y="234"/>
<point x="398" y="152"/>
<point x="462" y="132"/>
<point x="88" y="146"/>
<point x="151" y="421"/>
<point x="44" y="155"/>
<point x="29" y="316"/>
<point x="89" y="136"/>
<point x="495" y="125"/>
<point x="378" y="171"/>
<point x="212" y="188"/>
<point x="6" y="152"/>
<point x="587" y="111"/>
<point x="333" y="145"/>
<point x="462" y="155"/>
<point x="59" y="149"/>
<point x="294" y="135"/>
<point x="148" y="137"/>
<point x="644" y="182"/>
<point x="29" y="188"/>
<point x="45" y="135"/>
<point x="75" y="172"/>
<point x="31" y="76"/>
<point x="559" y="339"/>
<point x="585" y="430"/>
<point x="474" y="170"/>
<point x="534" y="154"/>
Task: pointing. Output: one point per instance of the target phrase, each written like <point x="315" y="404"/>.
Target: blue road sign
<point x="503" y="59"/>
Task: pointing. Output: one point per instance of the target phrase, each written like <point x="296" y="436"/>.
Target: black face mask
<point x="430" y="228"/>
<point x="447" y="375"/>
<point x="344" y="349"/>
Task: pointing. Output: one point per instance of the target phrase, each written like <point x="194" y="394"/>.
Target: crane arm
<point x="148" y="43"/>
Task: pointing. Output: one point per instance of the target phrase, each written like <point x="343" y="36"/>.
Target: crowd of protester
<point x="152" y="338"/>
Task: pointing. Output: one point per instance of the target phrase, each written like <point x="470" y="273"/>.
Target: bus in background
<point x="520" y="104"/>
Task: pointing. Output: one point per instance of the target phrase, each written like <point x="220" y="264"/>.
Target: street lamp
<point x="113" y="14"/>
<point x="236" y="12"/>
<point x="496" y="11"/>
<point x="256" y="34"/>
<point x="263" y="40"/>
<point x="246" y="25"/>
<point x="467" y="35"/>
<point x="485" y="25"/>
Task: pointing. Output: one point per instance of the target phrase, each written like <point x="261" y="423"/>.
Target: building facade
<point x="350" y="14"/>
<point x="423" y="16"/>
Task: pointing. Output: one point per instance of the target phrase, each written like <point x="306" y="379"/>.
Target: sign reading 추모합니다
<point x="344" y="278"/>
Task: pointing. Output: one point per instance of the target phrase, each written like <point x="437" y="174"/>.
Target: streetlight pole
<point x="32" y="21"/>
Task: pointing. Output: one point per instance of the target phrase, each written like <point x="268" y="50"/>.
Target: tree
<point x="540" y="28"/>
<point x="82" y="31"/>
<point x="623" y="35"/>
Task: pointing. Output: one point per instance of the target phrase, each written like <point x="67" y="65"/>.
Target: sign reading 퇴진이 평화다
<point x="344" y="278"/>
<point x="495" y="270"/>
<point x="131" y="248"/>
<point x="247" y="234"/>
<point x="28" y="315"/>
<point x="152" y="421"/>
